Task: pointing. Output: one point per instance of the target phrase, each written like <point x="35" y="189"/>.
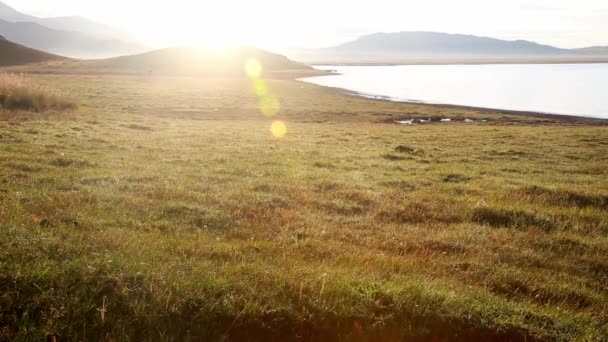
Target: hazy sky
<point x="283" y="23"/>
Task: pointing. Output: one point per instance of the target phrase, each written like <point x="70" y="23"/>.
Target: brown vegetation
<point x="19" y="93"/>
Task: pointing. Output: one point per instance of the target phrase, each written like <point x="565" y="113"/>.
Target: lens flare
<point x="269" y="105"/>
<point x="253" y="68"/>
<point x="278" y="129"/>
<point x="261" y="89"/>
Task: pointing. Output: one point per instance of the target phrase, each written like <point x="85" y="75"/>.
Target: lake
<point x="572" y="89"/>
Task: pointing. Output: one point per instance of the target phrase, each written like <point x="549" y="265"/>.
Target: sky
<point x="280" y="24"/>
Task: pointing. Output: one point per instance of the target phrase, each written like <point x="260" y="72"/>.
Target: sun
<point x="216" y="40"/>
<point x="203" y="36"/>
<point x="216" y="25"/>
<point x="202" y="24"/>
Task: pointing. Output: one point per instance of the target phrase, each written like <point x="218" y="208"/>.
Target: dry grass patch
<point x="19" y="93"/>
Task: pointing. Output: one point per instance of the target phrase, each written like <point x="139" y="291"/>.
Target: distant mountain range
<point x="15" y="54"/>
<point x="78" y="24"/>
<point x="435" y="45"/>
<point x="79" y="37"/>
<point x="69" y="36"/>
<point x="593" y="50"/>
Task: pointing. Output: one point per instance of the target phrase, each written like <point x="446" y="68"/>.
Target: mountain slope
<point x="66" y="43"/>
<point x="74" y="23"/>
<point x="85" y="26"/>
<point x="593" y="50"/>
<point x="71" y="36"/>
<point x="184" y="61"/>
<point x="187" y="60"/>
<point x="434" y="45"/>
<point x="15" y="54"/>
<point x="10" y="14"/>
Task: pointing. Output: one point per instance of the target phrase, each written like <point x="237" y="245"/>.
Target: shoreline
<point x="463" y="61"/>
<point x="561" y="117"/>
<point x="302" y="75"/>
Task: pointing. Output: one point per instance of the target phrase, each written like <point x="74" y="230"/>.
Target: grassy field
<point x="165" y="209"/>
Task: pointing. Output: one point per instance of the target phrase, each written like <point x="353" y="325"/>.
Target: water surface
<point x="571" y="89"/>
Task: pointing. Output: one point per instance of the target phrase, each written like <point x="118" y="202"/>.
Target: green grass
<point x="168" y="206"/>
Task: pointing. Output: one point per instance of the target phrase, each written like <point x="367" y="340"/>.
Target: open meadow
<point x="169" y="209"/>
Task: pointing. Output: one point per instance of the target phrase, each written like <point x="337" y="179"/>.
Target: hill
<point x="593" y="50"/>
<point x="432" y="43"/>
<point x="10" y="14"/>
<point x="15" y="54"/>
<point x="68" y="43"/>
<point x="188" y="61"/>
<point x="86" y="26"/>
<point x="71" y="23"/>
<point x="439" y="46"/>
<point x="70" y="36"/>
